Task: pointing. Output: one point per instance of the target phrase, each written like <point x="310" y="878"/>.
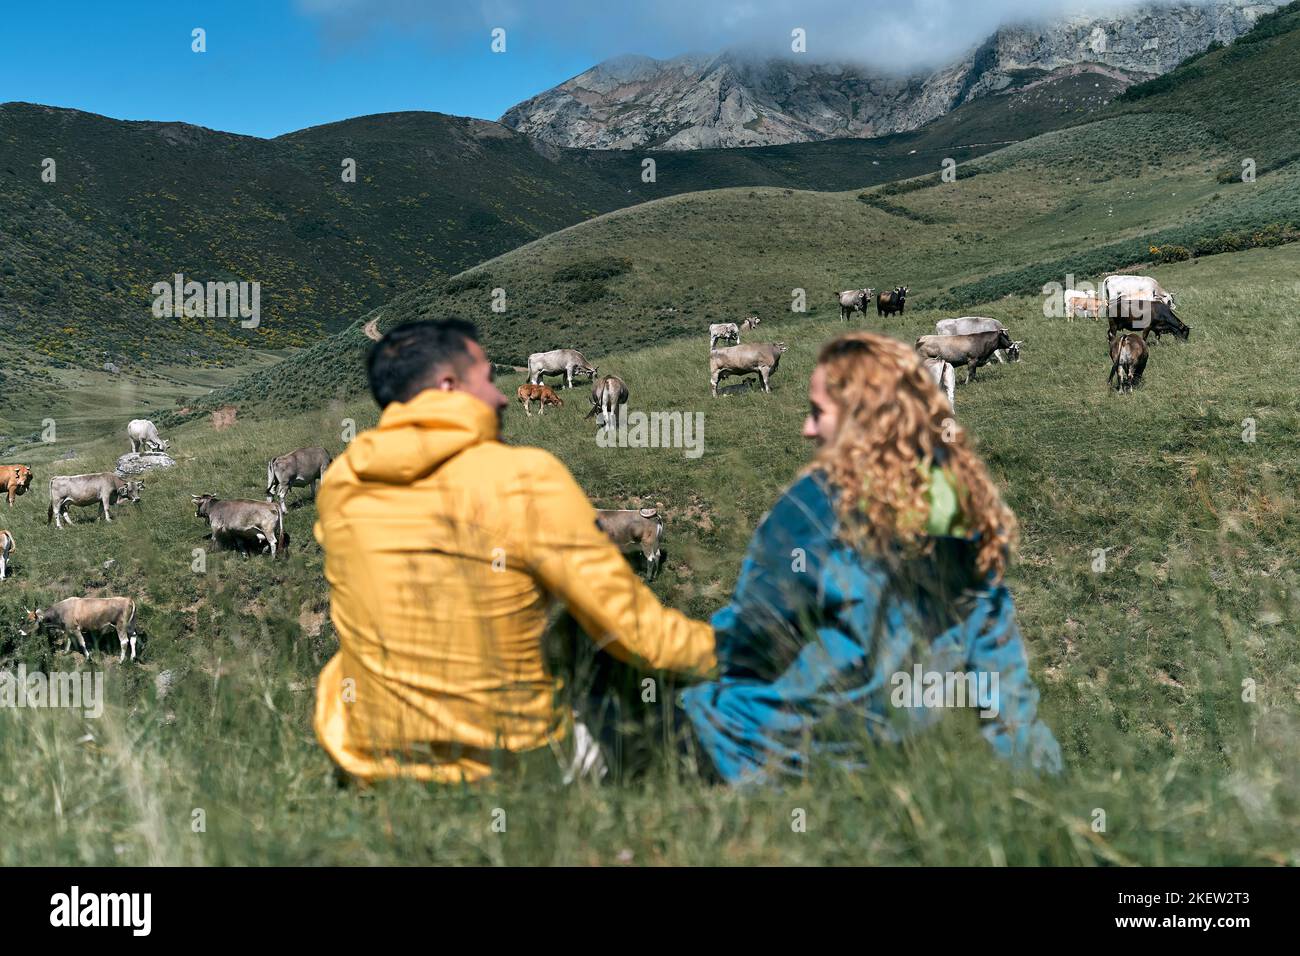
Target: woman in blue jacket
<point x="871" y="598"/>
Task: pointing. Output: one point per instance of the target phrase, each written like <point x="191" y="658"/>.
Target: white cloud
<point x="889" y="34"/>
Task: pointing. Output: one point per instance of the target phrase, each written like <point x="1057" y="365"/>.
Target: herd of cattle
<point x="1130" y="303"/>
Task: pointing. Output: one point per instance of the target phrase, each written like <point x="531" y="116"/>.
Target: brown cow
<point x="15" y="480"/>
<point x="1128" y="358"/>
<point x="543" y="395"/>
<point x="642" y="528"/>
<point x="77" y="615"/>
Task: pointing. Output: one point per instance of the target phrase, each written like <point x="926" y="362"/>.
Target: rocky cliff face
<point x="694" y="101"/>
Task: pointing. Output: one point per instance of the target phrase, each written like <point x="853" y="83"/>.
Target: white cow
<point x="944" y="376"/>
<point x="143" y="434"/>
<point x="1135" y="287"/>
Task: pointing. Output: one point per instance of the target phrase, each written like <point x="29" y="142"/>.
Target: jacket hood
<point x="414" y="438"/>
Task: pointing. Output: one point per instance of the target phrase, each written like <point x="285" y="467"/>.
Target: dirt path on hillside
<point x="371" y="329"/>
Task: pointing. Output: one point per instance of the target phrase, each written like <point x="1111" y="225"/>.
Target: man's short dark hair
<point x="403" y="363"/>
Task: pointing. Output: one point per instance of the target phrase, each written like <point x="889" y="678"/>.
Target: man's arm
<point x="575" y="561"/>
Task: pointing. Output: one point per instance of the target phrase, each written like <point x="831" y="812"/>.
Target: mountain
<point x="1080" y="200"/>
<point x="732" y="99"/>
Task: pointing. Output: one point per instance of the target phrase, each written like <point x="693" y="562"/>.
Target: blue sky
<point x="273" y="66"/>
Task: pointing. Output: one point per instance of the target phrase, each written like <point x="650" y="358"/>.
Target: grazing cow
<point x="103" y="489"/>
<point x="566" y="362"/>
<point x="854" y="300"/>
<point x="78" y="615"/>
<point x="1082" y="303"/>
<point x="144" y="436"/>
<point x="543" y="395"/>
<point x="967" y="324"/>
<point x="1145" y="315"/>
<point x="238" y="522"/>
<point x="635" y="528"/>
<point x="297" y="469"/>
<point x="944" y="377"/>
<point x="1128" y="358"/>
<point x="743" y="359"/>
<point x="889" y="303"/>
<point x="15" y="480"/>
<point x="971" y="350"/>
<point x="750" y="323"/>
<point x="607" y="394"/>
<point x="1009" y="354"/>
<point x="723" y="331"/>
<point x="6" y="548"/>
<point x="1138" y="287"/>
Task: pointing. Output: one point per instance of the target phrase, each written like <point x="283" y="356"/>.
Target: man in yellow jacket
<point x="444" y="549"/>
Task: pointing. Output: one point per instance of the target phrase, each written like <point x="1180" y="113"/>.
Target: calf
<point x="1082" y="303"/>
<point x="144" y="436"/>
<point x="607" y="395"/>
<point x="238" y="522"/>
<point x="297" y="469"/>
<point x="543" y="395"/>
<point x="78" y="615"/>
<point x="723" y="331"/>
<point x="889" y="303"/>
<point x="15" y="480"/>
<point x="944" y="377"/>
<point x="743" y="359"/>
<point x="854" y="300"/>
<point x="6" y="548"/>
<point x="971" y="350"/>
<point x="750" y="323"/>
<point x="627" y="529"/>
<point x="1128" y="360"/>
<point x="103" y="489"/>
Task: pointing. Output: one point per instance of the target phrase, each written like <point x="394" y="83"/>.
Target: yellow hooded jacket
<point x="442" y="549"/>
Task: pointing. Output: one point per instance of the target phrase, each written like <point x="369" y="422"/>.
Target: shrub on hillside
<point x="595" y="269"/>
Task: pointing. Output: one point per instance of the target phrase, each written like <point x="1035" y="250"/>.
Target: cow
<point x="240" y="521"/>
<point x="971" y="350"/>
<point x="643" y="528"/>
<point x="967" y="324"/>
<point x="144" y="436"/>
<point x="750" y="323"/>
<point x="889" y="303"/>
<point x="1128" y="359"/>
<point x="854" y="300"/>
<point x="608" y="393"/>
<point x="6" y="548"/>
<point x="723" y="331"/>
<point x="15" y="480"/>
<point x="566" y="362"/>
<point x="297" y="469"/>
<point x="103" y="488"/>
<point x="1078" y="302"/>
<point x="1009" y="354"/>
<point x="543" y="395"/>
<point x="78" y="615"/>
<point x="1145" y="315"/>
<point x="743" y="359"/>
<point x="944" y="377"/>
<point x="1139" y="287"/>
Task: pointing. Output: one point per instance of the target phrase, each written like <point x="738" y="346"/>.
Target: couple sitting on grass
<point x="445" y="549"/>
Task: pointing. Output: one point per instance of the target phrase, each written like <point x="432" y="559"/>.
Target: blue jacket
<point x="821" y="647"/>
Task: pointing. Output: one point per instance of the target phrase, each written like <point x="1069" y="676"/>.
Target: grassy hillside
<point x="1140" y="667"/>
<point x="136" y="202"/>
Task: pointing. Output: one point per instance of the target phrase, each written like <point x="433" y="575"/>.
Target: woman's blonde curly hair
<point x="893" y="421"/>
